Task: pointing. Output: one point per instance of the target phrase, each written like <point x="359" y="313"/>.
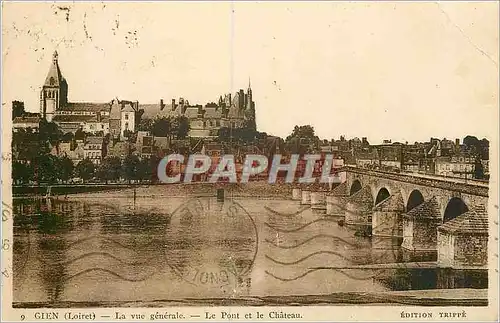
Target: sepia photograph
<point x="232" y="155"/>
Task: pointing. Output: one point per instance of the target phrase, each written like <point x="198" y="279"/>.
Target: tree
<point x="471" y="141"/>
<point x="145" y="124"/>
<point x="183" y="127"/>
<point x="161" y="127"/>
<point x="147" y="168"/>
<point x="67" y="137"/>
<point x="85" y="169"/>
<point x="478" y="169"/>
<point x="303" y="132"/>
<point x="45" y="168"/>
<point x="21" y="172"/>
<point x="131" y="136"/>
<point x="79" y="134"/>
<point x="110" y="169"/>
<point x="224" y="133"/>
<point x="131" y="168"/>
<point x="65" y="168"/>
<point x="49" y="132"/>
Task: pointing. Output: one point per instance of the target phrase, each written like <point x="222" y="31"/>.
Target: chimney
<point x="457" y="142"/>
<point x="173" y="104"/>
<point x="161" y="105"/>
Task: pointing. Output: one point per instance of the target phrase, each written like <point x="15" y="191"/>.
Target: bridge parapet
<point x="479" y="188"/>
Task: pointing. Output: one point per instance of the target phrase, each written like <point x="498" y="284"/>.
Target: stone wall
<point x="471" y="251"/>
<point x="386" y="223"/>
<point x="446" y="243"/>
<point x="420" y="234"/>
<point x="407" y="234"/>
<point x="425" y="234"/>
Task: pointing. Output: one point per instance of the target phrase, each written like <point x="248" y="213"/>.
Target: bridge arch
<point x="455" y="207"/>
<point x="415" y="199"/>
<point x="382" y="194"/>
<point x="355" y="187"/>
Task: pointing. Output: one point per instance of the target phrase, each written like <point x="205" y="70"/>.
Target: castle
<point x="118" y="117"/>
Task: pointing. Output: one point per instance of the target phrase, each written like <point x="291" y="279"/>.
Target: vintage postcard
<point x="250" y="161"/>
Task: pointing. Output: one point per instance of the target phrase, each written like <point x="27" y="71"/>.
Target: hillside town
<point x="69" y="142"/>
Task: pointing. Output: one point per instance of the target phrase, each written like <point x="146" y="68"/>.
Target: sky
<point x="400" y="71"/>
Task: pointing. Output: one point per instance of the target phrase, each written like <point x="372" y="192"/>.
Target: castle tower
<point x="250" y="108"/>
<point x="249" y="95"/>
<point x="54" y="93"/>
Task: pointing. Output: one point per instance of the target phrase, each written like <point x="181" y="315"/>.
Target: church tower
<point x="54" y="93"/>
<point x="249" y="96"/>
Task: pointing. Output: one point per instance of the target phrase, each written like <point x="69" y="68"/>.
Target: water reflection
<point x="94" y="251"/>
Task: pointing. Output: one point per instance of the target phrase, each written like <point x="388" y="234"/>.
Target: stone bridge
<point x="435" y="215"/>
<point x="415" y="189"/>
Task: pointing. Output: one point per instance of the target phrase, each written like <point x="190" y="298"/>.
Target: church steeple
<point x="54" y="93"/>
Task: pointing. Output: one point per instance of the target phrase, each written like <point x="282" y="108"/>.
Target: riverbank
<point x="435" y="297"/>
<point x="258" y="189"/>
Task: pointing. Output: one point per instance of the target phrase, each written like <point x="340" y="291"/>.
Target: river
<point x="100" y="250"/>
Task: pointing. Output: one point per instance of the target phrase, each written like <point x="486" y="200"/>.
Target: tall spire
<point x="249" y="84"/>
<point x="54" y="77"/>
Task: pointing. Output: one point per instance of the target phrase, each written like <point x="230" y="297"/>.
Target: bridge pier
<point x="359" y="208"/>
<point x="296" y="193"/>
<point x="463" y="241"/>
<point x="387" y="217"/>
<point x="420" y="228"/>
<point x="306" y="196"/>
<point x="336" y="201"/>
<point x="318" y="201"/>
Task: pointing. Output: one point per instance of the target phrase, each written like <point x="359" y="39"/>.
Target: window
<point x="217" y="123"/>
<point x="102" y="126"/>
<point x="52" y="81"/>
<point x="126" y="116"/>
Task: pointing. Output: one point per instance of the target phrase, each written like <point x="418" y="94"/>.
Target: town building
<point x="26" y="123"/>
<point x="122" y="117"/>
<point x="93" y="149"/>
<point x="462" y="166"/>
<point x="206" y="121"/>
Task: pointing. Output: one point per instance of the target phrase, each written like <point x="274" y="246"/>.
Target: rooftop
<point x="474" y="221"/>
<point x="392" y="203"/>
<point x="26" y="120"/>
<point x="427" y="210"/>
<point x="86" y="106"/>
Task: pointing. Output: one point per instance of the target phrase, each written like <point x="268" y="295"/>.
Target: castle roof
<point x="26" y="120"/>
<point x="73" y="118"/>
<point x="78" y="118"/>
<point x="213" y="112"/>
<point x="86" y="106"/>
<point x="392" y="203"/>
<point x="429" y="209"/>
<point x="474" y="221"/>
